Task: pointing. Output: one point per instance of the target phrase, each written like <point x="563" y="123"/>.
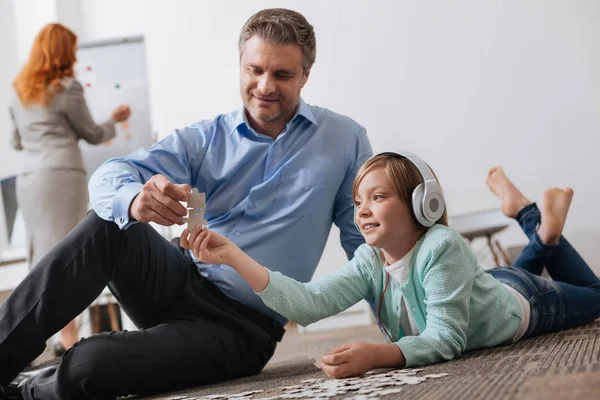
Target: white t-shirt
<point x="400" y="271"/>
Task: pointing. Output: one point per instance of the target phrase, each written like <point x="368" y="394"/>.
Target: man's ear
<point x="305" y="77"/>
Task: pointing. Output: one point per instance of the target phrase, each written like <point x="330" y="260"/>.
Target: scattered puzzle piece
<point x="369" y="387"/>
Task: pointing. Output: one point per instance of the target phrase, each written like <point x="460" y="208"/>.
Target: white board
<point x="113" y="72"/>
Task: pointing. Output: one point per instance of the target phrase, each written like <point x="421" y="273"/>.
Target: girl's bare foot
<point x="554" y="214"/>
<point x="512" y="198"/>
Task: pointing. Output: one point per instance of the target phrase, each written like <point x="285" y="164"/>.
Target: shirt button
<point x="238" y="234"/>
<point x="252" y="205"/>
<point x="414" y="309"/>
<point x="121" y="220"/>
<point x="217" y="265"/>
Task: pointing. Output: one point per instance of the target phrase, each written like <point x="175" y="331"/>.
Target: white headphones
<point x="427" y="198"/>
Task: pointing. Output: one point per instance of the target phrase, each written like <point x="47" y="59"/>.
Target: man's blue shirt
<point x="274" y="198"/>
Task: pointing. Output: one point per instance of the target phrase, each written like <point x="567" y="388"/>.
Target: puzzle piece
<point x="197" y="200"/>
<point x="195" y="218"/>
<point x="196" y="207"/>
<point x="315" y="352"/>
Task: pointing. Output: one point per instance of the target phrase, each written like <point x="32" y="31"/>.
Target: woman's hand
<point x="121" y="113"/>
<point x="356" y="359"/>
<point x="208" y="246"/>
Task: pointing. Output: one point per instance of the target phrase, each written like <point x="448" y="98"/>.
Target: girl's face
<point x="384" y="220"/>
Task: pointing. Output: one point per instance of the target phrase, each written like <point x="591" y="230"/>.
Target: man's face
<point x="271" y="78"/>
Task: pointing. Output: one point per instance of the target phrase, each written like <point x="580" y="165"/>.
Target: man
<point x="276" y="175"/>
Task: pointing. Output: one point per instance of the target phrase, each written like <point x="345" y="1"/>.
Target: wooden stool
<point x="107" y="300"/>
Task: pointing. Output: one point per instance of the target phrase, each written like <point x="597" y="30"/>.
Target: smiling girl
<point x="433" y="300"/>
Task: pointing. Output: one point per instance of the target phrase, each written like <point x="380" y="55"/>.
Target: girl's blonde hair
<point x="405" y="178"/>
<point x="51" y="59"/>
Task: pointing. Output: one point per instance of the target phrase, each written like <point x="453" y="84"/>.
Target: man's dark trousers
<point x="190" y="333"/>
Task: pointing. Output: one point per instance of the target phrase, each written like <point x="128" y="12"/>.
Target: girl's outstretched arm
<point x="213" y="248"/>
<point x="304" y="303"/>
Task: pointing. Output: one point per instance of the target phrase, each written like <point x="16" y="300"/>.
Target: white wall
<point x="9" y="158"/>
<point x="465" y="84"/>
<point x="112" y="18"/>
<point x="30" y="16"/>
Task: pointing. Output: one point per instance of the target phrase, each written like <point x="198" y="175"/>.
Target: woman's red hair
<point x="52" y="58"/>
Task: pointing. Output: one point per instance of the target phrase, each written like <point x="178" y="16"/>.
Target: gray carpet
<point x="563" y="365"/>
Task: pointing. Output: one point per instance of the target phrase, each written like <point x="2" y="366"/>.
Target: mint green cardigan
<point x="457" y="306"/>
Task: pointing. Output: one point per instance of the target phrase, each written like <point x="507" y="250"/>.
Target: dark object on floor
<point x="58" y="350"/>
<point x="13" y="390"/>
<point x="10" y="392"/>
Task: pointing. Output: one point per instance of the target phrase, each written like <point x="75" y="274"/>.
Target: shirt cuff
<point x="121" y="202"/>
<point x="271" y="289"/>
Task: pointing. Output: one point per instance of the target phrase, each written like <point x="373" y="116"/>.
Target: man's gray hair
<point x="282" y="26"/>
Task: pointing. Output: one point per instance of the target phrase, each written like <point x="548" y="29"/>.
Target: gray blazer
<point x="49" y="135"/>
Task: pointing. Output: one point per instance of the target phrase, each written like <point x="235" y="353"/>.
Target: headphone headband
<point x="427" y="199"/>
<point x="421" y="165"/>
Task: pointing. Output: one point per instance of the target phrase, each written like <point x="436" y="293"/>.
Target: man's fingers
<point x="174" y="191"/>
<point x="158" y="206"/>
<point x="185" y="187"/>
<point x="171" y="203"/>
<point x="150" y="215"/>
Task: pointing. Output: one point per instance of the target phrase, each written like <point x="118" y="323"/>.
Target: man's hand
<point x="356" y="359"/>
<point x="207" y="246"/>
<point x="159" y="201"/>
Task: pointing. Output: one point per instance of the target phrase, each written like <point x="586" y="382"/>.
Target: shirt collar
<point x="404" y="261"/>
<point x="303" y="110"/>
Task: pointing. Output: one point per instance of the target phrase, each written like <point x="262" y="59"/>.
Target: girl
<point x="433" y="299"/>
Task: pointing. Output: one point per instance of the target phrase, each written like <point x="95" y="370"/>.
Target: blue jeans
<point x="570" y="299"/>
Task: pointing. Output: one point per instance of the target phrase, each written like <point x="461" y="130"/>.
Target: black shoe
<point x="11" y="392"/>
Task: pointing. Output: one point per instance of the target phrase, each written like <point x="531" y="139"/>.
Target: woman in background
<point x="50" y="116"/>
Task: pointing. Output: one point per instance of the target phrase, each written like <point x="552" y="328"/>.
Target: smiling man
<point x="276" y="174"/>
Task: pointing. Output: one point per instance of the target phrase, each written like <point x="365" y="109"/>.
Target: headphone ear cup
<point x="417" y="203"/>
<point x="434" y="207"/>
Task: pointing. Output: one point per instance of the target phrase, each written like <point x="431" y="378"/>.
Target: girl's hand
<point x="354" y="359"/>
<point x="208" y="246"/>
